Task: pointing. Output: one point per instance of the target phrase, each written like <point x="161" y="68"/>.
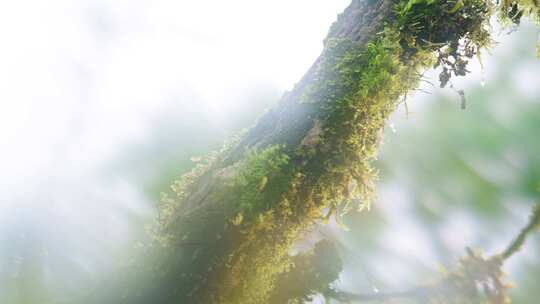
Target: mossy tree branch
<point x="230" y="227"/>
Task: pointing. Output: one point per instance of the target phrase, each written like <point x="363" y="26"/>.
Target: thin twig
<point x="517" y="243"/>
<point x="422" y="292"/>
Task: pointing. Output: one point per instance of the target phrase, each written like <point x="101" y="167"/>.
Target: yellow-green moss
<point x="260" y="184"/>
<point x="511" y="11"/>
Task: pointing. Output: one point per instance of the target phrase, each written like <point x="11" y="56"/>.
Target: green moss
<point x="456" y="30"/>
<point x="261" y="183"/>
<point x="358" y="87"/>
<point x="512" y="11"/>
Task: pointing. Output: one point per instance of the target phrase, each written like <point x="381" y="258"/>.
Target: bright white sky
<point x="79" y="78"/>
<point x="82" y="80"/>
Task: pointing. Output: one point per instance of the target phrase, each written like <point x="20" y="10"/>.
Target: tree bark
<point x="237" y="278"/>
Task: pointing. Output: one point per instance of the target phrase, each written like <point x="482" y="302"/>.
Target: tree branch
<point x="472" y="271"/>
<point x="517" y="243"/>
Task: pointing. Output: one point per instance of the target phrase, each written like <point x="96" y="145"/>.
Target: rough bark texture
<point x="292" y="119"/>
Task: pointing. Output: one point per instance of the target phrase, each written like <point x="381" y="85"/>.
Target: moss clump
<point x="358" y="87"/>
<point x="260" y="184"/>
<point x="512" y="11"/>
<point x="456" y="30"/>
